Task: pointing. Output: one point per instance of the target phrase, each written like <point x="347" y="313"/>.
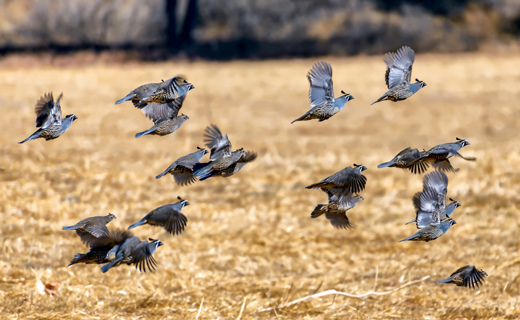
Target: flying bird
<point x="440" y="154"/>
<point x="134" y="251"/>
<point x="182" y="168"/>
<point x="398" y="75"/>
<point x="340" y="201"/>
<point x="321" y="94"/>
<point x="349" y="178"/>
<point x="467" y="276"/>
<point x="221" y="155"/>
<point x="48" y="118"/>
<point x="168" y="216"/>
<point x="432" y="200"/>
<point x="103" y="249"/>
<point x="161" y="93"/>
<point x="92" y="228"/>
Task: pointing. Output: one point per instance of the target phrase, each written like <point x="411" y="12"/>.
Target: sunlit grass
<point x="251" y="236"/>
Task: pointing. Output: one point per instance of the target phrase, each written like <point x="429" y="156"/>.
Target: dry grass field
<point x="250" y="243"/>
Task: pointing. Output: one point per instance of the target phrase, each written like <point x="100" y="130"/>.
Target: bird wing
<point x="346" y="200"/>
<point x="167" y="217"/>
<point x="472" y="277"/>
<point x="321" y="90"/>
<point x="244" y="159"/>
<point x="426" y="207"/>
<point x="47" y="112"/>
<point x="339" y="220"/>
<point x="142" y="257"/>
<point x="159" y="111"/>
<point x="184" y="178"/>
<point x="444" y="165"/>
<point x="438" y="181"/>
<point x="218" y="143"/>
<point x="399" y="67"/>
<point x="348" y="178"/>
<point x="110" y="239"/>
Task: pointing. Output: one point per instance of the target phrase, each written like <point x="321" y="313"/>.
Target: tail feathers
<point x="411" y="221"/>
<point x="409" y="238"/>
<point x="201" y="169"/>
<point x="207" y="175"/>
<point x="35" y="135"/>
<point x="299" y="119"/>
<point x="128" y="97"/>
<point x="162" y="174"/>
<point x="383" y="98"/>
<point x="78" y="258"/>
<point x="137" y="224"/>
<point x="386" y="164"/>
<point x="445" y="280"/>
<point x="318" y="211"/>
<point x="106" y="267"/>
<point x="317" y="185"/>
<point x="140" y="134"/>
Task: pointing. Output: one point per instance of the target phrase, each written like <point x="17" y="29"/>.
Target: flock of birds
<point x="162" y="102"/>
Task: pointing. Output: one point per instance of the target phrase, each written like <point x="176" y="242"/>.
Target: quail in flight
<point x="160" y="93"/>
<point x="340" y="201"/>
<point x="92" y="227"/>
<point x="168" y="216"/>
<point x="321" y="94"/>
<point x="182" y="168"/>
<point x="349" y="178"/>
<point x="467" y="276"/>
<point x="398" y="75"/>
<point x="48" y="118"/>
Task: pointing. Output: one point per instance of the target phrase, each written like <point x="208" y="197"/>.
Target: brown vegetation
<point x="250" y="242"/>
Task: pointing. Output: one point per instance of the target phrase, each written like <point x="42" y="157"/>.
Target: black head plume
<point x="343" y="92"/>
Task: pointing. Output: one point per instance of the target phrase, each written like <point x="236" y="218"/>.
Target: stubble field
<point x="250" y="246"/>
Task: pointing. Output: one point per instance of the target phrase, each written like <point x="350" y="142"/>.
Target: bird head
<point x="111" y="217"/>
<point x="203" y="150"/>
<point x="463" y="142"/>
<point x="347" y="96"/>
<point x="360" y="166"/>
<point x="156" y="243"/>
<point x="359" y="198"/>
<point x="184" y="117"/>
<point x="72" y="117"/>
<point x="422" y="83"/>
<point x="184" y="202"/>
<point x="455" y="202"/>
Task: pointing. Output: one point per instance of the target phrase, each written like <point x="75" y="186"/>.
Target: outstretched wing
<point x="218" y="143"/>
<point x="426" y="206"/>
<point x="348" y="178"/>
<point x="399" y="67"/>
<point x="142" y="257"/>
<point x="47" y="112"/>
<point x="158" y="111"/>
<point x="320" y="78"/>
<point x="438" y="181"/>
<point x="472" y="277"/>
<point x="170" y="219"/>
